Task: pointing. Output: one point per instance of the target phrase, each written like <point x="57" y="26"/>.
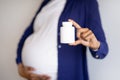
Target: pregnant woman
<point x="41" y="56"/>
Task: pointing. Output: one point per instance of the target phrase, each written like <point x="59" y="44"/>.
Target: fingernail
<point x="69" y="19"/>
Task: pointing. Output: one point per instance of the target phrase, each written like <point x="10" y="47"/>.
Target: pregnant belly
<point x="41" y="57"/>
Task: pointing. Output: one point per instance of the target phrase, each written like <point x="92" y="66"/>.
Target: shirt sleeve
<point x="93" y="22"/>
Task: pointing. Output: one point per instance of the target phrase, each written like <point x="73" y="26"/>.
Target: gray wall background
<point x="15" y="16"/>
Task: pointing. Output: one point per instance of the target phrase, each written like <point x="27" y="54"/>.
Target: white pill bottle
<point x="67" y="33"/>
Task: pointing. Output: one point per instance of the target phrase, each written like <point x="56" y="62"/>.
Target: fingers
<point x="85" y="43"/>
<point x="39" y="77"/>
<point x="76" y="25"/>
<point x="86" y="35"/>
<point x="77" y="42"/>
<point x="34" y="76"/>
<point x="89" y="37"/>
<point x="28" y="71"/>
<point x="45" y="77"/>
<point x="29" y="68"/>
<point x="24" y="71"/>
<point x="81" y="32"/>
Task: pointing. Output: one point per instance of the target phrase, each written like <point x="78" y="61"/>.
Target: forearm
<point x="21" y="71"/>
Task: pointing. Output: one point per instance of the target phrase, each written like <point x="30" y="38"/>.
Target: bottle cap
<point x="67" y="24"/>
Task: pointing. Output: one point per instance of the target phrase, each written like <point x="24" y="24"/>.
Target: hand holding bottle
<point x="85" y="37"/>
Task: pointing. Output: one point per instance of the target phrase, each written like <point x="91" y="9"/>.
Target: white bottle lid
<point x="67" y="24"/>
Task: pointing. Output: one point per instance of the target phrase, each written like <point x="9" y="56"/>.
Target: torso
<point x="40" y="49"/>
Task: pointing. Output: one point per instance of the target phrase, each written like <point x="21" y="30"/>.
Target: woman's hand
<point x="26" y="72"/>
<point x="39" y="77"/>
<point x="85" y="37"/>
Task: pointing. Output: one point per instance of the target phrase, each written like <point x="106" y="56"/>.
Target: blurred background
<point x="15" y="16"/>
